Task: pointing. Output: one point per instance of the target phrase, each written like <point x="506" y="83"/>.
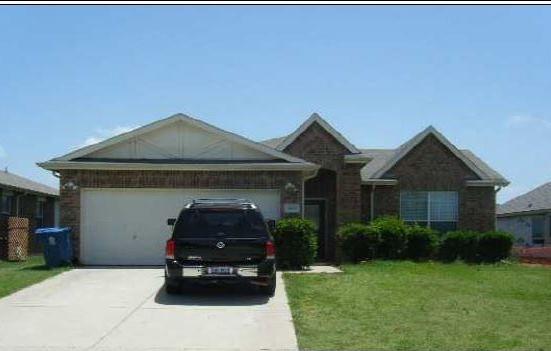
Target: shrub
<point x="494" y="246"/>
<point x="295" y="240"/>
<point x="358" y="241"/>
<point x="459" y="245"/>
<point x="421" y="243"/>
<point x="392" y="232"/>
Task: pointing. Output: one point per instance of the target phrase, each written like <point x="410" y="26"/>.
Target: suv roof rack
<point x="222" y="202"/>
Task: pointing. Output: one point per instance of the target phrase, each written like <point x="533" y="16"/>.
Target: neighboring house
<point x="117" y="194"/>
<point x="21" y="197"/>
<point x="528" y="216"/>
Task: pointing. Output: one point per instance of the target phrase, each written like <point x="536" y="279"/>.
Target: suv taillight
<point x="270" y="250"/>
<point x="170" y="249"/>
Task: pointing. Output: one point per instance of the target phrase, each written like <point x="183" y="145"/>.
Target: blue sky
<point x="481" y="75"/>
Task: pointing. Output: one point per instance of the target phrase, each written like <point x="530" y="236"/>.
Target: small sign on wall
<point x="291" y="208"/>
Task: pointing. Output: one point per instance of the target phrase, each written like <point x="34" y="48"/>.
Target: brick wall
<point x="431" y="166"/>
<point x="70" y="199"/>
<point x="343" y="200"/>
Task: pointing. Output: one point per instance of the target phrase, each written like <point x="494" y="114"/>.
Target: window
<point x="40" y="204"/>
<point x="538" y="225"/>
<point x="7" y="203"/>
<point x="225" y="223"/>
<point x="435" y="209"/>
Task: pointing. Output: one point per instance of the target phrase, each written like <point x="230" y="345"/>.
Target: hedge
<point x="421" y="244"/>
<point x="391" y="238"/>
<point x="358" y="241"/>
<point x="296" y="243"/>
<point x="459" y="245"/>
<point x="494" y="246"/>
<point x="392" y="233"/>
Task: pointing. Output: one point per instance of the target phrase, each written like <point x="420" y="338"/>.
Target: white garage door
<point x="128" y="226"/>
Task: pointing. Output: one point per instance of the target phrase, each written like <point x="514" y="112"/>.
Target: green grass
<point x="18" y="275"/>
<point x="423" y="306"/>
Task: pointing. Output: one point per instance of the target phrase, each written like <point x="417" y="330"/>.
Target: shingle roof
<point x="14" y="181"/>
<point x="380" y="157"/>
<point x="536" y="200"/>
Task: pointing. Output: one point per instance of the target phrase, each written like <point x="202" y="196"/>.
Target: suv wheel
<point x="171" y="288"/>
<point x="269" y="289"/>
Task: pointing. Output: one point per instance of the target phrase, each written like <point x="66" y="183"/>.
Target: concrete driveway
<point x="127" y="309"/>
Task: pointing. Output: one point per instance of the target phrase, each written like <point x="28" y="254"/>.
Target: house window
<point x="6" y="203"/>
<point x="40" y="204"/>
<point x="538" y="228"/>
<point x="435" y="209"/>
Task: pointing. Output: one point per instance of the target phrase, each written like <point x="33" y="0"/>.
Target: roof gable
<point x="405" y="148"/>
<point x="178" y="137"/>
<point x="315" y="118"/>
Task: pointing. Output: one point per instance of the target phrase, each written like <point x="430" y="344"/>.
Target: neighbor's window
<point x="538" y="225"/>
<point x="435" y="209"/>
<point x="40" y="204"/>
<point x="6" y="203"/>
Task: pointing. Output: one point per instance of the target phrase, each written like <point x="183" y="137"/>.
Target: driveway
<point x="127" y="309"/>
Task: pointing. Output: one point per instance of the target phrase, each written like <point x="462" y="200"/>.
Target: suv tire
<point x="269" y="290"/>
<point x="171" y="288"/>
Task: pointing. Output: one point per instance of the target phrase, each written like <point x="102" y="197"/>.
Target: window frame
<point x="429" y="220"/>
<point x="7" y="197"/>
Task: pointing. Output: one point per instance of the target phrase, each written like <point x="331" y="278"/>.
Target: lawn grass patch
<point x="391" y="305"/>
<point x="18" y="275"/>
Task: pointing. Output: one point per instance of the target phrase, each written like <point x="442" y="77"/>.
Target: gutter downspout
<point x="496" y="190"/>
<point x="372" y="202"/>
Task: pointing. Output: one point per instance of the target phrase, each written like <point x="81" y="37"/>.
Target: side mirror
<point x="171" y="221"/>
<point x="271" y="224"/>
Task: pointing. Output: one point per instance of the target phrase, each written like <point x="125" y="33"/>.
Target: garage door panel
<point x="128" y="226"/>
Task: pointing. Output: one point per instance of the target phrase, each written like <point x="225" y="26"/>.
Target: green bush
<point x="459" y="245"/>
<point x="295" y="240"/>
<point x="494" y="246"/>
<point x="392" y="233"/>
<point x="358" y="241"/>
<point x="421" y="243"/>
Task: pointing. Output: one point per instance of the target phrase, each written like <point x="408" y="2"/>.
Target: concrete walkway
<point x="127" y="309"/>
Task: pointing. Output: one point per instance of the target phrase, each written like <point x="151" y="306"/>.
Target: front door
<point x="314" y="210"/>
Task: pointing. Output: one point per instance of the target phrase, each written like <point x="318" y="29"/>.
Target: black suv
<point x="220" y="240"/>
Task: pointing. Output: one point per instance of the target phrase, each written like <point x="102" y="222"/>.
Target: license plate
<point x="220" y="270"/>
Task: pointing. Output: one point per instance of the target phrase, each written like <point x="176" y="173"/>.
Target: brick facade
<point x="70" y="197"/>
<point x="343" y="199"/>
<point x="431" y="166"/>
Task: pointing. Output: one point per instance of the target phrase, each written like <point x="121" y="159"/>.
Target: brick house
<point x="21" y="197"/>
<point x="117" y="194"/>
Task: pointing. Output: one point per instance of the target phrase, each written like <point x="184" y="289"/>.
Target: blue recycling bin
<point x="57" y="245"/>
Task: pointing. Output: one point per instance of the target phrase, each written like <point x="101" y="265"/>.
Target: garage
<point x="117" y="195"/>
<point x="128" y="226"/>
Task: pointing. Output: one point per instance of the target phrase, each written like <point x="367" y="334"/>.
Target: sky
<point x="74" y="75"/>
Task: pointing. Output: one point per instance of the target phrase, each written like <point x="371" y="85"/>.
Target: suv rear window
<point x="209" y="223"/>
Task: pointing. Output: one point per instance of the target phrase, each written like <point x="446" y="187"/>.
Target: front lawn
<point x="18" y="275"/>
<point x="388" y="305"/>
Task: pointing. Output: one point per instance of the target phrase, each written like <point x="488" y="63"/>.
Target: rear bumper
<point x="176" y="271"/>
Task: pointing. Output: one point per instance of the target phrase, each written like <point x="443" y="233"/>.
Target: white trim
<point x="173" y="119"/>
<point x="357" y="158"/>
<point x="409" y="145"/>
<point x="58" y="165"/>
<point x="484" y="183"/>
<point x="315" y="118"/>
<point x="380" y="181"/>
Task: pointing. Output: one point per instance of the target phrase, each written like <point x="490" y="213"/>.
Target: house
<point x="117" y="194"/>
<point x="528" y="217"/>
<point x="22" y="197"/>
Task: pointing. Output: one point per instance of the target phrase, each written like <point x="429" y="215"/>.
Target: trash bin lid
<point x="53" y="230"/>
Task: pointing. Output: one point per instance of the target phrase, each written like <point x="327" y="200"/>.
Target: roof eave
<point x="487" y="182"/>
<point x="67" y="165"/>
